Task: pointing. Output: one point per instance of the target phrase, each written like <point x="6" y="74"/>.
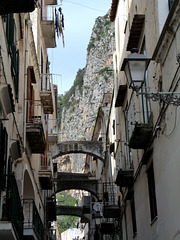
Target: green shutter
<point x="5" y="149"/>
<point x="16" y="82"/>
<point x="170" y="3"/>
<point x="1" y="148"/>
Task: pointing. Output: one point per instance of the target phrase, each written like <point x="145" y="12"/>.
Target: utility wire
<point x="85" y="6"/>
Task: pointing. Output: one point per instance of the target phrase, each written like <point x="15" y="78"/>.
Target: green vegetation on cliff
<point x="66" y="222"/>
<point x="101" y="31"/>
<point x="66" y="101"/>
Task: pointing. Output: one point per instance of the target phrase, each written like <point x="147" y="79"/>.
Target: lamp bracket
<point x="167" y="97"/>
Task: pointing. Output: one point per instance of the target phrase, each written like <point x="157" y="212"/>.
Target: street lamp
<point x="135" y="66"/>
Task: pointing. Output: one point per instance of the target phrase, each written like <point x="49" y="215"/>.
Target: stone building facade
<point x="28" y="108"/>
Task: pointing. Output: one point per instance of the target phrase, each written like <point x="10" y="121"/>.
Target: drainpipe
<point x="110" y="173"/>
<point x="28" y="24"/>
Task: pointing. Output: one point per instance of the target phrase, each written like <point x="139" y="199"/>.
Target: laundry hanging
<point x="59" y="24"/>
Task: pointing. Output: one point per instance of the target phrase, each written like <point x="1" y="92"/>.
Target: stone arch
<point x="79" y="181"/>
<point x="93" y="148"/>
<point x="70" y="210"/>
<point x="77" y="187"/>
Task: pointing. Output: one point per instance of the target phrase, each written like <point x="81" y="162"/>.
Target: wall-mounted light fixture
<point x="135" y="66"/>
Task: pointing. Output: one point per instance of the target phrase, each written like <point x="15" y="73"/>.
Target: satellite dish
<point x="97" y="207"/>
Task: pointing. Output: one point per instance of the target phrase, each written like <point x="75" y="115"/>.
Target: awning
<point x="135" y="32"/>
<point x="113" y="10"/>
<point x="121" y="95"/>
<point x="17" y="6"/>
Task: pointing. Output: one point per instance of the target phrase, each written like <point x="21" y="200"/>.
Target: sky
<point x="79" y="19"/>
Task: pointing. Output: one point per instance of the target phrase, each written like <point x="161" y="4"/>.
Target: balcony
<point x="110" y="201"/>
<point x="140" y="124"/>
<point x="45" y="173"/>
<point x="35" y="127"/>
<point x="47" y="93"/>
<point x="125" y="178"/>
<point x="107" y="228"/>
<point x="141" y="136"/>
<point x="52" y="130"/>
<point x="11" y="224"/>
<point x="18" y="6"/>
<point x="33" y="226"/>
<point x="48" y="26"/>
<point x="50" y="2"/>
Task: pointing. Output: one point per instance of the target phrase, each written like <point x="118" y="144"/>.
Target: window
<point x="128" y="150"/>
<point x="113" y="126"/>
<point x="41" y="70"/>
<point x="30" y="94"/>
<point x="10" y="29"/>
<point x="152" y="192"/>
<point x="146" y="107"/>
<point x="133" y="213"/>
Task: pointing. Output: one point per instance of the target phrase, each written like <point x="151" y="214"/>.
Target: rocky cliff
<point x="78" y="108"/>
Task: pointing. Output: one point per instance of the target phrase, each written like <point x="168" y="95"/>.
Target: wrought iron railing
<point x="35" y="113"/>
<point x="12" y="208"/>
<point x="110" y="194"/>
<point x="32" y="219"/>
<point x="47" y="13"/>
<point x="46" y="163"/>
<point x="53" y="126"/>
<point x="46" y="82"/>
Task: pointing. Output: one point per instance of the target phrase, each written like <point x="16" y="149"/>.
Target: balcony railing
<point x="110" y="194"/>
<point x="12" y="208"/>
<point x="52" y="130"/>
<point x="139" y="123"/>
<point x="110" y="201"/>
<point x="45" y="172"/>
<point x="50" y="2"/>
<point x="47" y="93"/>
<point x="35" y="127"/>
<point x="32" y="219"/>
<point x="48" y="26"/>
